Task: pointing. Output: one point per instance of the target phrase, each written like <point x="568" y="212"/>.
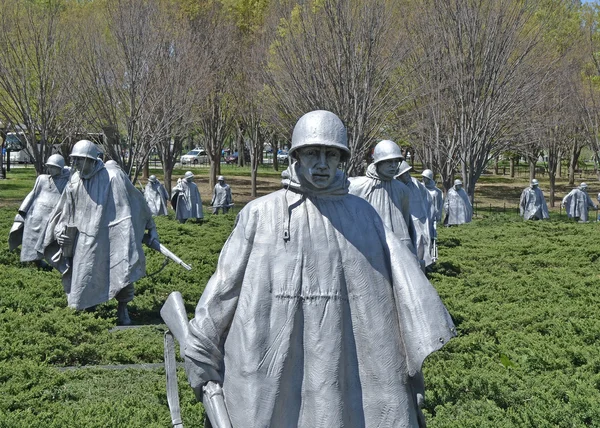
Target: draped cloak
<point x="221" y="196"/>
<point x="577" y="203"/>
<point x="389" y="198"/>
<point x="437" y="201"/>
<point x="156" y="197"/>
<point x="533" y="205"/>
<point x="420" y="212"/>
<point x="189" y="203"/>
<point x="111" y="216"/>
<point x="458" y="207"/>
<point x="316" y="315"/>
<point x="36" y="209"/>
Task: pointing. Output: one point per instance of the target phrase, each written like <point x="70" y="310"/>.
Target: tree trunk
<point x="552" y="177"/>
<point x="532" y="164"/>
<point x="559" y="167"/>
<point x="512" y="167"/>
<point x="146" y="169"/>
<point x="496" y="166"/>
<point x="573" y="160"/>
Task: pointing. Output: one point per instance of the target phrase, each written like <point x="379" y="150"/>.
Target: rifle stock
<point x="175" y="317"/>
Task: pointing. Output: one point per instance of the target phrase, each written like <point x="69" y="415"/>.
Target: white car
<point x="194" y="157"/>
<point x="282" y="157"/>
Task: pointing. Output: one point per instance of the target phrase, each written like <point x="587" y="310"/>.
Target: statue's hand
<point x="64" y="240"/>
<point x="153" y="240"/>
<point x="420" y="400"/>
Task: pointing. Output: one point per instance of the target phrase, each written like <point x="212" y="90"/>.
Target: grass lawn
<point x="523" y="296"/>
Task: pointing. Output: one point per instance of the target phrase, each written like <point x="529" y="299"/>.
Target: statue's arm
<point x="216" y="309"/>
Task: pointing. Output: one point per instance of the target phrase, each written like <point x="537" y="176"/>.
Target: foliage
<point x="522" y="295"/>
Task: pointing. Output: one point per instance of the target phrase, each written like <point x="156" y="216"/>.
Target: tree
<point x="34" y="95"/>
<point x="341" y="56"/>
<point x="480" y="61"/>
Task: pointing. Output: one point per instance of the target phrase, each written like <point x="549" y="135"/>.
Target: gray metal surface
<point x="156" y="196"/>
<point x="109" y="217"/>
<point x="457" y="206"/>
<point x="317" y="314"/>
<point x="188" y="200"/>
<point x="36" y="209"/>
<point x="532" y="205"/>
<point x="390" y="199"/>
<point x="577" y="203"/>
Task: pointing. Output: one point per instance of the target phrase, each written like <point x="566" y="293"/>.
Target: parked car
<point x="282" y="157"/>
<point x="196" y="156"/>
<point x="233" y="158"/>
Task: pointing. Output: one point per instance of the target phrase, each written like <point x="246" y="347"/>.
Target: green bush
<point x="522" y="295"/>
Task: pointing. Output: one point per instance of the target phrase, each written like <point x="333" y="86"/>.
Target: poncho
<point x="576" y="204"/>
<point x="36" y="209"/>
<point x="389" y="198"/>
<point x="437" y="201"/>
<point x="533" y="205"/>
<point x="420" y="212"/>
<point x="316" y="316"/>
<point x="221" y="196"/>
<point x="458" y="207"/>
<point x="156" y="197"/>
<point x="188" y="202"/>
<point x="110" y="215"/>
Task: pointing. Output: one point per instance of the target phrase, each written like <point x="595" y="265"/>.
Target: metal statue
<point x="437" y="204"/>
<point x="36" y="208"/>
<point x="186" y="199"/>
<point x="99" y="224"/>
<point x="221" y="196"/>
<point x="420" y="211"/>
<point x="317" y="314"/>
<point x="532" y="205"/>
<point x="389" y="197"/>
<point x="577" y="202"/>
<point x="156" y="196"/>
<point x="457" y="206"/>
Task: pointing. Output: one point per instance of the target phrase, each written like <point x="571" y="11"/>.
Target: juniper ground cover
<point x="522" y="294"/>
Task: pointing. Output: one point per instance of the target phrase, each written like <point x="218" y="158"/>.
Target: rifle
<point x="174" y="315"/>
<point x="165" y="251"/>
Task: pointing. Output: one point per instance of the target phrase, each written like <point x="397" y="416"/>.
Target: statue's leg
<point x="124" y="297"/>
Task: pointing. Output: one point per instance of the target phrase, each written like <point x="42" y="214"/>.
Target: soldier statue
<point x="317" y="314"/>
<point x="156" y="196"/>
<point x="420" y="211"/>
<point x="457" y="206"/>
<point x="36" y="208"/>
<point x="99" y="223"/>
<point x="389" y="197"/>
<point x="186" y="199"/>
<point x="577" y="203"/>
<point x="221" y="196"/>
<point x="532" y="205"/>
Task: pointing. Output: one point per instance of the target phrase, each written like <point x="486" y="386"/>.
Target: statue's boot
<point x="123" y="314"/>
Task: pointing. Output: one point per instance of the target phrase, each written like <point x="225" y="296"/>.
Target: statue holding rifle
<point x="318" y="315"/>
<point x="99" y="223"/>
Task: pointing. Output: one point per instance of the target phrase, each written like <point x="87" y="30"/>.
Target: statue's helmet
<point x="583" y="186"/>
<point x="403" y="167"/>
<point x="320" y="128"/>
<point x="427" y="173"/>
<point x="535" y="182"/>
<point x="56" y="160"/>
<point x="386" y="150"/>
<point x="152" y="178"/>
<point x="85" y="149"/>
<point x="220" y="178"/>
<point x="188" y="174"/>
<point x="457" y="183"/>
